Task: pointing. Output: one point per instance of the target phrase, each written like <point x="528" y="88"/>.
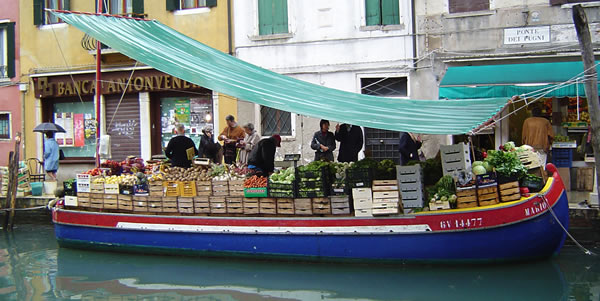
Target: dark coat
<point x="177" y="151"/>
<point x="409" y="149"/>
<point x="263" y="155"/>
<point x="327" y="140"/>
<point x="208" y="148"/>
<point x="351" y="142"/>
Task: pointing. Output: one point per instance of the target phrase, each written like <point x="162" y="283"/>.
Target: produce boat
<point x="523" y="229"/>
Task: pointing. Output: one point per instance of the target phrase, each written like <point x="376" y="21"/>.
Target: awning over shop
<point x="513" y="79"/>
<point x="169" y="51"/>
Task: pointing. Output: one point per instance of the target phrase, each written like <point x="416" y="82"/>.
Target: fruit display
<point x="156" y="177"/>
<point x="255" y="182"/>
<point x="186" y="174"/>
<point x="132" y="165"/>
<point x="114" y="166"/>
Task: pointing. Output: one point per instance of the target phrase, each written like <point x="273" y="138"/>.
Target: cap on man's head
<point x="277" y="139"/>
<point x="230" y="118"/>
<point x="208" y="129"/>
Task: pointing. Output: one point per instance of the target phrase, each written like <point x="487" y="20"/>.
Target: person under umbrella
<point x="51" y="155"/>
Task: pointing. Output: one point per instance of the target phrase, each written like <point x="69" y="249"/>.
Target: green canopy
<point x="169" y="51"/>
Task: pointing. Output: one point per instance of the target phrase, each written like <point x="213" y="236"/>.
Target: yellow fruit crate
<point x="171" y="188"/>
<point x="187" y="189"/>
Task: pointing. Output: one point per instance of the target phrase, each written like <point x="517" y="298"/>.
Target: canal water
<point x="33" y="267"/>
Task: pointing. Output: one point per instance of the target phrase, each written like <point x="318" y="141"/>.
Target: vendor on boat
<point x="351" y="141"/>
<point x="323" y="142"/>
<point x="262" y="158"/>
<point x="409" y="146"/>
<point x="230" y="136"/>
<point x="208" y="148"/>
<point x="181" y="149"/>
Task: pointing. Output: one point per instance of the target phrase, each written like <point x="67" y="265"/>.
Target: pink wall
<point x="10" y="96"/>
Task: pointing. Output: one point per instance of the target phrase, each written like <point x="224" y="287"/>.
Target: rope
<point x="122" y="95"/>
<point x="22" y="209"/>
<point x="66" y="64"/>
<point x="585" y="251"/>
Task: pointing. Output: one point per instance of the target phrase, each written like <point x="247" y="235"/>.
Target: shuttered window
<point x="272" y="17"/>
<point x="7" y="50"/>
<point x="463" y="6"/>
<point x="43" y="17"/>
<point x="130" y="8"/>
<point x="382" y="12"/>
<point x="124" y="127"/>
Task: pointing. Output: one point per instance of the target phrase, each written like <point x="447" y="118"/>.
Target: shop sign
<point x="527" y="35"/>
<point x="111" y="84"/>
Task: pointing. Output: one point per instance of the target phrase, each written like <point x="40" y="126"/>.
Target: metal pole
<point x="98" y="90"/>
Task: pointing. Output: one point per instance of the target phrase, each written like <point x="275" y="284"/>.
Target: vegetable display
<point x="443" y="190"/>
<point x="285" y="176"/>
<point x="255" y="182"/>
<point x="506" y="164"/>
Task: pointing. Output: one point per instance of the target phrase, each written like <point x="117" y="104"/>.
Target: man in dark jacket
<point x="351" y="142"/>
<point x="262" y="157"/>
<point x="323" y="142"/>
<point x="409" y="147"/>
<point x="181" y="149"/>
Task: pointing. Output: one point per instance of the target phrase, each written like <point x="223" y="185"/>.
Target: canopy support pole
<point x="98" y="90"/>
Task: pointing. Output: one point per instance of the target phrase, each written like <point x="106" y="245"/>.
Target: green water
<point x="32" y="267"/>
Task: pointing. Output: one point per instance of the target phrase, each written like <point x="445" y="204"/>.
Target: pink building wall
<point x="10" y="96"/>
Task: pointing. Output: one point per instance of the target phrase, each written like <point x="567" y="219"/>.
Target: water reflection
<point x="33" y="268"/>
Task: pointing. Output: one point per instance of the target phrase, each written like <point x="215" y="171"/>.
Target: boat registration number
<point x="462" y="223"/>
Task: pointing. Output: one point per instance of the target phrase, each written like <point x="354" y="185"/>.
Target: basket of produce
<point x="312" y="179"/>
<point x="282" y="184"/>
<point x="70" y="187"/>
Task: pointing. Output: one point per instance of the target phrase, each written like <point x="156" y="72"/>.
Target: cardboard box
<point x="565" y="175"/>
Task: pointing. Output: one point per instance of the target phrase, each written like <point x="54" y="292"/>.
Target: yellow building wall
<point x="57" y="48"/>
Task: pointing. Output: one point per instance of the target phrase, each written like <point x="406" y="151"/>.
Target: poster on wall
<point x="79" y="130"/>
<point x="68" y="126"/>
<point x="182" y="112"/>
<point x="59" y="137"/>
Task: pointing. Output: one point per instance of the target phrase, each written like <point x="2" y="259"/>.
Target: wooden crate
<point x="488" y="195"/>
<point x="251" y="206"/>
<point x="83" y="194"/>
<point x="236" y="187"/>
<point x="203" y="188"/>
<point x="185" y="205"/>
<point x="321" y="206"/>
<point x="529" y="159"/>
<point x="509" y="191"/>
<point x="340" y="205"/>
<point x="140" y="203"/>
<point x="125" y="202"/>
<point x="302" y="206"/>
<point x="169" y="204"/>
<point x="385" y="185"/>
<point x="285" y="206"/>
<point x="111" y="188"/>
<point x="235" y="205"/>
<point x="171" y="188"/>
<point x="97" y="188"/>
<point x="466" y="198"/>
<point x="385" y="194"/>
<point x="83" y="202"/>
<point x="110" y="201"/>
<point x="220" y="188"/>
<point x="267" y="206"/>
<point x="97" y="200"/>
<point x="154" y="204"/>
<point x="217" y="204"/>
<point x="585" y="179"/>
<point x="187" y="188"/>
<point x="201" y="204"/>
<point x="439" y="205"/>
<point x="156" y="188"/>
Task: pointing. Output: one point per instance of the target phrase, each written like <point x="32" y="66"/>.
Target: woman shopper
<point x="323" y="142"/>
<point x="252" y="138"/>
<point x="51" y="155"/>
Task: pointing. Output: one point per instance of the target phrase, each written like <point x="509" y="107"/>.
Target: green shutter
<point x="10" y="49"/>
<point x="137" y="8"/>
<point x="173" y="5"/>
<point x="66" y="5"/>
<point x="373" y="12"/>
<point x="265" y="17"/>
<point x="390" y="12"/>
<point x="38" y="12"/>
<point x="103" y="6"/>
<point x="280" y="17"/>
<point x="211" y="3"/>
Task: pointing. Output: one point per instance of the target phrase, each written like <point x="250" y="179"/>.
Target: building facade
<point x="361" y="46"/>
<point x="140" y="105"/>
<point x="484" y="48"/>
<point x="10" y="96"/>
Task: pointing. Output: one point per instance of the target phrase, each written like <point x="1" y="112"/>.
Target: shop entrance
<point x="123" y="126"/>
<point x="193" y="112"/>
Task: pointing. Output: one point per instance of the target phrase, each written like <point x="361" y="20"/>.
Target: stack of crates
<point x="455" y="158"/>
<point x="410" y="183"/>
<point x="562" y="157"/>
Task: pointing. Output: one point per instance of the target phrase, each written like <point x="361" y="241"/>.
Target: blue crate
<point x="562" y="157"/>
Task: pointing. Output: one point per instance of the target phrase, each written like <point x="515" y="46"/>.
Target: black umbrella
<point x="49" y="127"/>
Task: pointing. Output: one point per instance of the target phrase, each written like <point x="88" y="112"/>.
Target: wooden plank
<point x="384" y="182"/>
<point x="336" y="211"/>
<point x="385" y="194"/>
<point x="385" y="188"/>
<point x="487" y="190"/>
<point x="509" y="191"/>
<point x="509" y="198"/>
<point x="466" y="205"/>
<point x="304" y="204"/>
<point x="466" y="199"/>
<point x="508" y="185"/>
<point x="299" y="211"/>
<point x="488" y="203"/>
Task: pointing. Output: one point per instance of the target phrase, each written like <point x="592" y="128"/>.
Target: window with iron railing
<point x="275" y="121"/>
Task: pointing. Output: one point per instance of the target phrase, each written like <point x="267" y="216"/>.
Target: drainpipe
<point x="414" y="31"/>
<point x="229" y="33"/>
